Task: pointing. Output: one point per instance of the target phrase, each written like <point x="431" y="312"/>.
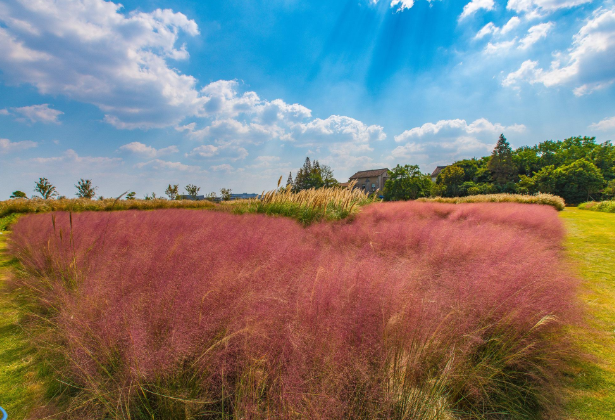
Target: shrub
<point x="410" y="311"/>
<point x="602" y="206"/>
<point x="546" y="199"/>
<point x="80" y="204"/>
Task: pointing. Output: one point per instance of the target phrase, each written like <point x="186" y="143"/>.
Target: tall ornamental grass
<point x="307" y="206"/>
<point x="409" y="311"/>
<point x="24" y="205"/>
<point x="554" y="201"/>
<point x="602" y="206"/>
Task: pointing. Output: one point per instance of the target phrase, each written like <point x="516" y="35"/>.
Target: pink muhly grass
<point x="409" y="311"/>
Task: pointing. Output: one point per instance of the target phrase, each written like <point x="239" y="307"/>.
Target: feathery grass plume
<point x="79" y="204"/>
<point x="602" y="206"/>
<point x="546" y="199"/>
<point x="409" y="311"/>
<point x="307" y="206"/>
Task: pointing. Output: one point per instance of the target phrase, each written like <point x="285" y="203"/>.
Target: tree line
<point x="86" y="190"/>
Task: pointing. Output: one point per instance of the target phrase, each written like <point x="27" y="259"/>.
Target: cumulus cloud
<point x="588" y="64"/>
<point x="535" y="34"/>
<point x="474" y="6"/>
<point x="499" y="47"/>
<point x="537" y="8"/>
<point x="143" y="150"/>
<point x="7" y="146"/>
<point x="448" y="140"/>
<point x="604" y="125"/>
<point x="91" y="52"/>
<point x="34" y="113"/>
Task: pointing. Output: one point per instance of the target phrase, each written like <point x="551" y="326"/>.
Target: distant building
<point x="243" y="196"/>
<point x="371" y="180"/>
<point x="344" y="184"/>
<point x="190" y="197"/>
<point x="436" y="172"/>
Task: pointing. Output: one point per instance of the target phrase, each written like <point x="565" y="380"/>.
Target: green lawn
<point x="591" y="244"/>
<point x="19" y="388"/>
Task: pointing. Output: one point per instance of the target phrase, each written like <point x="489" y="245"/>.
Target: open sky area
<point x="235" y="93"/>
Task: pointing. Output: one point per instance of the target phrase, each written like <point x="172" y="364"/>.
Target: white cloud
<point x="7" y="146"/>
<point x="499" y="47"/>
<point x="70" y="158"/>
<point x="337" y="129"/>
<point x="39" y="113"/>
<point x="141" y="149"/>
<point x="587" y="66"/>
<point x="474" y="6"/>
<point x="4" y="112"/>
<point x="604" y="125"/>
<point x="535" y="34"/>
<point x="402" y="4"/>
<point x="222" y="168"/>
<point x="481" y="125"/>
<point x="448" y="140"/>
<point x="492" y="29"/>
<point x="537" y="8"/>
<point x="158" y="165"/>
<point x="225" y="151"/>
<point x="512" y="23"/>
<point x="92" y="53"/>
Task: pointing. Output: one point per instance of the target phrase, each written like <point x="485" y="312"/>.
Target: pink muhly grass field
<point x="409" y="311"/>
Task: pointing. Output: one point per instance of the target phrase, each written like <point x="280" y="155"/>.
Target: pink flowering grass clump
<point x="408" y="311"/>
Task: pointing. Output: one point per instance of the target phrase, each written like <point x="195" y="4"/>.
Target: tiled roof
<point x="437" y="171"/>
<point x="369" y="174"/>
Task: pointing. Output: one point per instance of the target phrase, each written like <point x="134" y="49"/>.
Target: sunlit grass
<point x="20" y="390"/>
<point x="546" y="199"/>
<point x="591" y="243"/>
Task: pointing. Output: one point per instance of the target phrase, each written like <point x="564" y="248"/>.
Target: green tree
<point x="313" y="175"/>
<point x="501" y="163"/>
<point x="19" y="194"/>
<point x="172" y="191"/>
<point x="85" y="189"/>
<point x="131" y="195"/>
<point x="225" y="193"/>
<point x="406" y="183"/>
<point x="609" y="190"/>
<point x="289" y="181"/>
<point x="192" y="190"/>
<point x="451" y="178"/>
<point x="576" y="182"/>
<point x="45" y="189"/>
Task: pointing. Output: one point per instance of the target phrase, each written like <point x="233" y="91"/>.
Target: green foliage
<point x="225" y="193"/>
<point x="85" y="189"/>
<point x="609" y="191"/>
<point x="312" y="175"/>
<point x="603" y="206"/>
<point x="192" y="190"/>
<point x="451" y="178"/>
<point x="19" y="194"/>
<point x="172" y="191"/>
<point x="407" y="183"/>
<point x="45" y="188"/>
<point x="578" y="181"/>
<point x="501" y="164"/>
<point x="131" y="195"/>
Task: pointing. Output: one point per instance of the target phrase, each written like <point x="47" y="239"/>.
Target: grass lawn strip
<point x="20" y="390"/>
<point x="591" y="244"/>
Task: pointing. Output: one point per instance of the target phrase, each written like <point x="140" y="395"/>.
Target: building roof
<point x="437" y="171"/>
<point x="370" y="173"/>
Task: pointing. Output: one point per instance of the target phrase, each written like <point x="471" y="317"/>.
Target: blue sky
<point x="236" y="93"/>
